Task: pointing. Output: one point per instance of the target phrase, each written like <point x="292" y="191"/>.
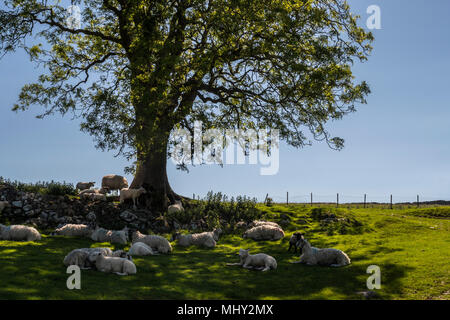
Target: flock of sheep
<point x="120" y="262"/>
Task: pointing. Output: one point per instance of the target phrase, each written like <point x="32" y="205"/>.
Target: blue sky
<point x="396" y="144"/>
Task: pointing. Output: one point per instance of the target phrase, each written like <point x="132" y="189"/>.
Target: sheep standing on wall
<point x="112" y="236"/>
<point x="140" y="249"/>
<point x="204" y="239"/>
<point x="19" y="233"/>
<point x="132" y="194"/>
<point x="158" y="243"/>
<point x="85" y="185"/>
<point x="114" y="182"/>
<point x="73" y="230"/>
<point x="175" y="208"/>
<point x="326" y="257"/>
<point x="120" y="266"/>
<point x="264" y="232"/>
<point x="259" y="261"/>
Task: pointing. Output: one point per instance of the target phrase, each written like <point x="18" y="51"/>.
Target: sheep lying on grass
<point x="112" y="236"/>
<point x="85" y="257"/>
<point x="175" y="208"/>
<point x="294" y="240"/>
<point x="158" y="243"/>
<point x="3" y="205"/>
<point x="85" y="185"/>
<point x="260" y="261"/>
<point x="264" y="232"/>
<point x="204" y="239"/>
<point x="258" y="223"/>
<point x="140" y="249"/>
<point x="120" y="266"/>
<point x="73" y="230"/>
<point x="132" y="194"/>
<point x="19" y="233"/>
<point x="325" y="257"/>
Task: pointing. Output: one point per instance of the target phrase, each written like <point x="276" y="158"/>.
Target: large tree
<point x="135" y="69"/>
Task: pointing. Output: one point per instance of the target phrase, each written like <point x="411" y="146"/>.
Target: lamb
<point x="264" y="232"/>
<point x="175" y="208"/>
<point x="114" y="182"/>
<point x="85" y="257"/>
<point x="19" y="233"/>
<point x="3" y="205"/>
<point x="94" y="196"/>
<point x="120" y="266"/>
<point x="94" y="191"/>
<point x="294" y="240"/>
<point x="326" y="257"/>
<point x="112" y="236"/>
<point x="258" y="223"/>
<point x="140" y="249"/>
<point x="158" y="243"/>
<point x="132" y="194"/>
<point x="74" y="230"/>
<point x="204" y="239"/>
<point x="260" y="261"/>
<point x="85" y="185"/>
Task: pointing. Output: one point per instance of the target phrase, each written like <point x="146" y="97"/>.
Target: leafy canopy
<point x="135" y="69"/>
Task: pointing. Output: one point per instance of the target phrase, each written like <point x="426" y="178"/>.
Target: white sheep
<point x="204" y="239"/>
<point x="112" y="236"/>
<point x="264" y="232"/>
<point x="93" y="191"/>
<point x="326" y="257"/>
<point x="85" y="185"/>
<point x="175" y="208"/>
<point x="3" y="205"/>
<point x="74" y="230"/>
<point x="258" y="223"/>
<point x="93" y="196"/>
<point x="85" y="257"/>
<point x="294" y="240"/>
<point x="19" y="233"/>
<point x="120" y="266"/>
<point x="260" y="261"/>
<point x="140" y="249"/>
<point x="158" y="243"/>
<point x="114" y="182"/>
<point x="132" y="194"/>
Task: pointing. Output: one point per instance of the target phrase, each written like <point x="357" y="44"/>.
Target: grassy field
<point x="411" y="246"/>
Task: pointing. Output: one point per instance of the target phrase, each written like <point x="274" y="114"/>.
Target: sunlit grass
<point x="412" y="252"/>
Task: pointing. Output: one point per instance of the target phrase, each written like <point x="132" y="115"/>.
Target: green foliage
<point x="167" y="64"/>
<point x="439" y="212"/>
<point x="217" y="208"/>
<point x="46" y="188"/>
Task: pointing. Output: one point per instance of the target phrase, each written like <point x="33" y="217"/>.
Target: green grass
<point x="412" y="252"/>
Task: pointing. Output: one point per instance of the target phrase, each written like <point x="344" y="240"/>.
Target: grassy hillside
<point x="410" y="246"/>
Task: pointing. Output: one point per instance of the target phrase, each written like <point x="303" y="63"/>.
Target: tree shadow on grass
<point x="35" y="270"/>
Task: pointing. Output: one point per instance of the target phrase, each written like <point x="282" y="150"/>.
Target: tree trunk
<point x="151" y="173"/>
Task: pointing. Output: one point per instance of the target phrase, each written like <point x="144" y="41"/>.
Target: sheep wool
<point x="112" y="236"/>
<point x="114" y="182"/>
<point x="175" y="208"/>
<point x="259" y="261"/>
<point x="19" y="233"/>
<point x="85" y="185"/>
<point x="116" y="265"/>
<point x="158" y="243"/>
<point x="140" y="249"/>
<point x="325" y="257"/>
<point x="132" y="194"/>
<point x="264" y="232"/>
<point x="74" y="230"/>
<point x="258" y="223"/>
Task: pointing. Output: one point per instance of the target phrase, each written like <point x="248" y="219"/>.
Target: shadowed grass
<point x="411" y="251"/>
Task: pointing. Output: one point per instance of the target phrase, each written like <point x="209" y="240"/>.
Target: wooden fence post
<point x="418" y="203"/>
<point x="287" y="198"/>
<point x="311" y="200"/>
<point x="365" y="198"/>
<point x="391" y="202"/>
<point x="337" y="200"/>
